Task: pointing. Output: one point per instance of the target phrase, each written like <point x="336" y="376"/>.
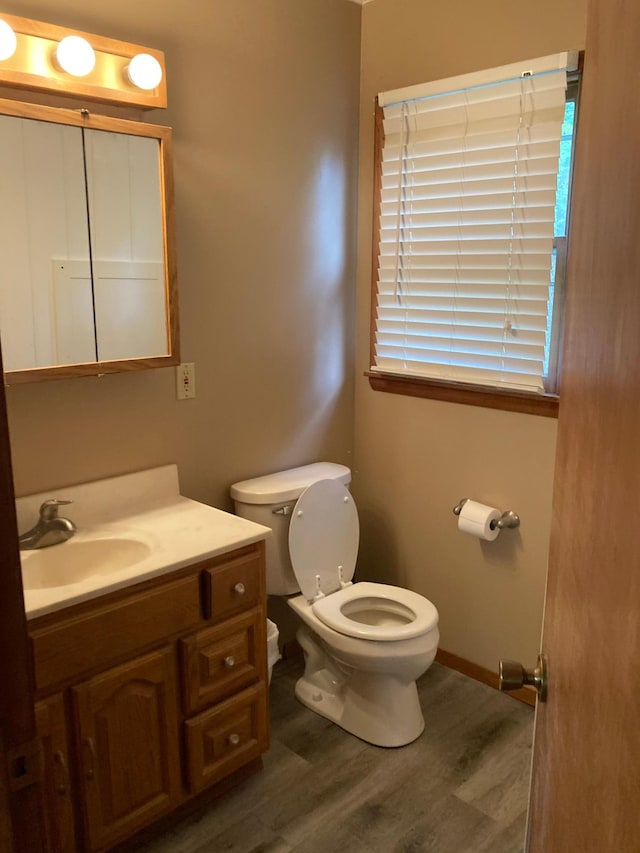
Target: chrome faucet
<point x="50" y="529"/>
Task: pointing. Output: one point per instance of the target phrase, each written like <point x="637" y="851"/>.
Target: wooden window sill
<point x="545" y="405"/>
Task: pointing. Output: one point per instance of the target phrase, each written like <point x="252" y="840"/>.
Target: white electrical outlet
<point x="186" y="381"/>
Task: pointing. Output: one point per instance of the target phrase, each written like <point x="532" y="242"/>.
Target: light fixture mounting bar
<point x="33" y="66"/>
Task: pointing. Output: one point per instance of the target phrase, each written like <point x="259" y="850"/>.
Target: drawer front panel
<point x="219" y="661"/>
<point x="232" y="587"/>
<point x="223" y="739"/>
<point x="98" y="637"/>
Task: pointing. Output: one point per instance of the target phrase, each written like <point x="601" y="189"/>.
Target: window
<point x="474" y="177"/>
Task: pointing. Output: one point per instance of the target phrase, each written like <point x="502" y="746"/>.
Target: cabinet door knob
<point x="239" y="589"/>
<point x="229" y="661"/>
<point x="234" y="740"/>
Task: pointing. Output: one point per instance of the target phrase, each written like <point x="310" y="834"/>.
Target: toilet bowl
<point x="365" y="644"/>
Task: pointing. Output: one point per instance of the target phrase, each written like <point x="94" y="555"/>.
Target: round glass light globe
<point x="76" y="56"/>
<point x="8" y="41"/>
<point x="144" y="71"/>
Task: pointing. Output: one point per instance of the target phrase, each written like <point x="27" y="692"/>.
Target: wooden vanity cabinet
<point x="150" y="695"/>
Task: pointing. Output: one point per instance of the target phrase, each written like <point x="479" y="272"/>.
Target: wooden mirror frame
<point x="85" y="119"/>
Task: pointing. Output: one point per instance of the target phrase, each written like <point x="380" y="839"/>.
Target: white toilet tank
<point x="269" y="500"/>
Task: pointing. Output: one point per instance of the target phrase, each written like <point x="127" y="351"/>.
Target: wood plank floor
<point x="462" y="787"/>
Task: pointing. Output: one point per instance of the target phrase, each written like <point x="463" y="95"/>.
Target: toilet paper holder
<point x="507" y="519"/>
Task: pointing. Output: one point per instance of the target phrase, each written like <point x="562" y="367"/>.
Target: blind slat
<point x="473" y="375"/>
<point x="522" y="184"/>
<point x="452" y="357"/>
<point x="462" y="129"/>
<point x="517" y="277"/>
<point x="465" y="350"/>
<point x="473" y="174"/>
<point x="472" y="205"/>
<point x="473" y="260"/>
<point x="437" y="337"/>
<point x="463" y="289"/>
<point x="419" y="231"/>
<point x="524" y="247"/>
<point x="493" y="320"/>
<point x="450" y="309"/>
<point x="531" y="139"/>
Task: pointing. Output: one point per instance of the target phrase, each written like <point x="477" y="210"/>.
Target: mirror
<point x="88" y="281"/>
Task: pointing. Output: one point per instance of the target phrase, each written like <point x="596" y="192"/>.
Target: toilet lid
<point x="323" y="535"/>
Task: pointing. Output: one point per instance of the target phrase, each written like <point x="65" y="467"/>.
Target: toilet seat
<point x="324" y="534"/>
<point x="323" y="546"/>
<point x="389" y="605"/>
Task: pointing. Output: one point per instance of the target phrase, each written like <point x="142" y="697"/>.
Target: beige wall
<point x="263" y="100"/>
<point x="416" y="458"/>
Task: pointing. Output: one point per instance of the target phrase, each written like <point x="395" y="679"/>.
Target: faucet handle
<point x="49" y="509"/>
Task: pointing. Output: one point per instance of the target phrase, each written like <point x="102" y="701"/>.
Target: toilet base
<point x="377" y="707"/>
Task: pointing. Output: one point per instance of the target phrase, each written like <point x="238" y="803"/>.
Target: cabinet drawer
<point x="97" y="637"/>
<point x="233" y="586"/>
<point x="221" y="660"/>
<point x="222" y="739"/>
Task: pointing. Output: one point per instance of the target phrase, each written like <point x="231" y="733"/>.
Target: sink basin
<point x="75" y="561"/>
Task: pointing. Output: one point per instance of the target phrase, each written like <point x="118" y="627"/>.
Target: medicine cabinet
<point x="88" y="274"/>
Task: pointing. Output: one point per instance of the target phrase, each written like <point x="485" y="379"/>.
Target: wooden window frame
<point x="451" y="391"/>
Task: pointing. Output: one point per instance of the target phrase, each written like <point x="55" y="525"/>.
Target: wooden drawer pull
<point x="229" y="661"/>
<point x="239" y="589"/>
<point x="90" y="754"/>
<point x="59" y="760"/>
<point x="233" y="740"/>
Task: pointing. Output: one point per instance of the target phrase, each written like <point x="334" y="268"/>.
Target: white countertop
<point x="145" y="507"/>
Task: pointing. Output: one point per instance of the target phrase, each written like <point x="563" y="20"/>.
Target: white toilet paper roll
<point x="476" y="519"/>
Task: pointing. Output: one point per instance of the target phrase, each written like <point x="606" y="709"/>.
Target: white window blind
<point x="467" y="203"/>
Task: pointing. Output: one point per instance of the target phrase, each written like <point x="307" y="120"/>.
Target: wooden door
<point x="51" y="726"/>
<point x="21" y="817"/>
<point x="127" y="742"/>
<point x="586" y="771"/>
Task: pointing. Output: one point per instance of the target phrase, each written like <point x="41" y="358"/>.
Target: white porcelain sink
<point x="131" y="528"/>
<point x="77" y="560"/>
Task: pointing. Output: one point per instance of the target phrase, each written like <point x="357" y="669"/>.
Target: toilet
<point x="365" y="644"/>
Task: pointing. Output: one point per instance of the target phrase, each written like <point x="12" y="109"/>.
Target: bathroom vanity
<point x="151" y="681"/>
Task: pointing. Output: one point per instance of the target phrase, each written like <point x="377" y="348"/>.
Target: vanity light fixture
<point x="144" y="71"/>
<point x="47" y="58"/>
<point x="75" y="55"/>
<point x="8" y="41"/>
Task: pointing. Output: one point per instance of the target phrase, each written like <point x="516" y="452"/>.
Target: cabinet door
<point x="127" y="739"/>
<point x="58" y="800"/>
